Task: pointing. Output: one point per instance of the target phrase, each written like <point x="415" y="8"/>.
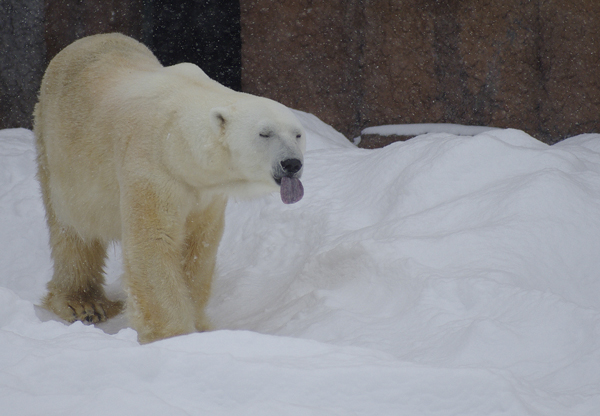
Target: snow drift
<point x="445" y="275"/>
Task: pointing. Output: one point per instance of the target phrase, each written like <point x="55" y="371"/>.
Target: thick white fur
<point x="131" y="150"/>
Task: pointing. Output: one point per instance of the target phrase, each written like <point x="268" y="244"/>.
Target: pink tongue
<point x="291" y="190"/>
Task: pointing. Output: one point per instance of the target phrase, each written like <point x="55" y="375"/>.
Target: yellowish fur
<point x="130" y="150"/>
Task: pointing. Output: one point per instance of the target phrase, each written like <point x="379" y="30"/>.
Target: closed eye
<point x="266" y="135"/>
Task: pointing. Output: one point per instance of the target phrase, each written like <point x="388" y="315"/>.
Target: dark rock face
<point x="306" y="55"/>
<point x="525" y="64"/>
<point x="32" y="32"/>
<point x="399" y="72"/>
<point x="22" y="52"/>
<point x="206" y="33"/>
<point x="375" y="141"/>
<point x="68" y="20"/>
<point x="570" y="61"/>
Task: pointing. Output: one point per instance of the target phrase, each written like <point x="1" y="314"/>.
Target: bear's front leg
<point x="204" y="229"/>
<point x="159" y="302"/>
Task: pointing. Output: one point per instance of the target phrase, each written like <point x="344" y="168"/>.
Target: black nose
<point x="291" y="166"/>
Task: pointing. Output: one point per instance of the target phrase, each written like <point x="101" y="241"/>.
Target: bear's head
<point x="266" y="145"/>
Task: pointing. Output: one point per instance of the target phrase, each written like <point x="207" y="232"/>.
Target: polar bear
<point x="133" y="151"/>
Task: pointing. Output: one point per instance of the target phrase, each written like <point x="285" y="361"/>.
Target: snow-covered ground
<point x="445" y="275"/>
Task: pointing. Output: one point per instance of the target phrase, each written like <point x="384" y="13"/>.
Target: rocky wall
<point x="22" y="52"/>
<point x="570" y="61"/>
<point x="69" y="20"/>
<point x="527" y="64"/>
<point x="305" y="54"/>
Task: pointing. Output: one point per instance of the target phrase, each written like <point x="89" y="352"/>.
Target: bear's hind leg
<point x="76" y="290"/>
<point x="204" y="230"/>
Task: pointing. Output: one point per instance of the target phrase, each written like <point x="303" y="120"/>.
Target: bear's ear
<point x="219" y="117"/>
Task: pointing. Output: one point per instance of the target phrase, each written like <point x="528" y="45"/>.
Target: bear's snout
<point x="291" y="166"/>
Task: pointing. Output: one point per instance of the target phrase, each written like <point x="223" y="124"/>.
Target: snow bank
<point x="418" y="129"/>
<point x="445" y="275"/>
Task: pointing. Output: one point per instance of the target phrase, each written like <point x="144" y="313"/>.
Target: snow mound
<point x="445" y="275"/>
<point x="418" y="129"/>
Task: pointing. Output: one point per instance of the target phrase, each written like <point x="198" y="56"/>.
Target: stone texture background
<point x="22" y="64"/>
<point x="570" y="66"/>
<point x="305" y="54"/>
<point x="68" y="20"/>
<point x="527" y="64"/>
<point x="205" y="32"/>
<point x="32" y="32"/>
